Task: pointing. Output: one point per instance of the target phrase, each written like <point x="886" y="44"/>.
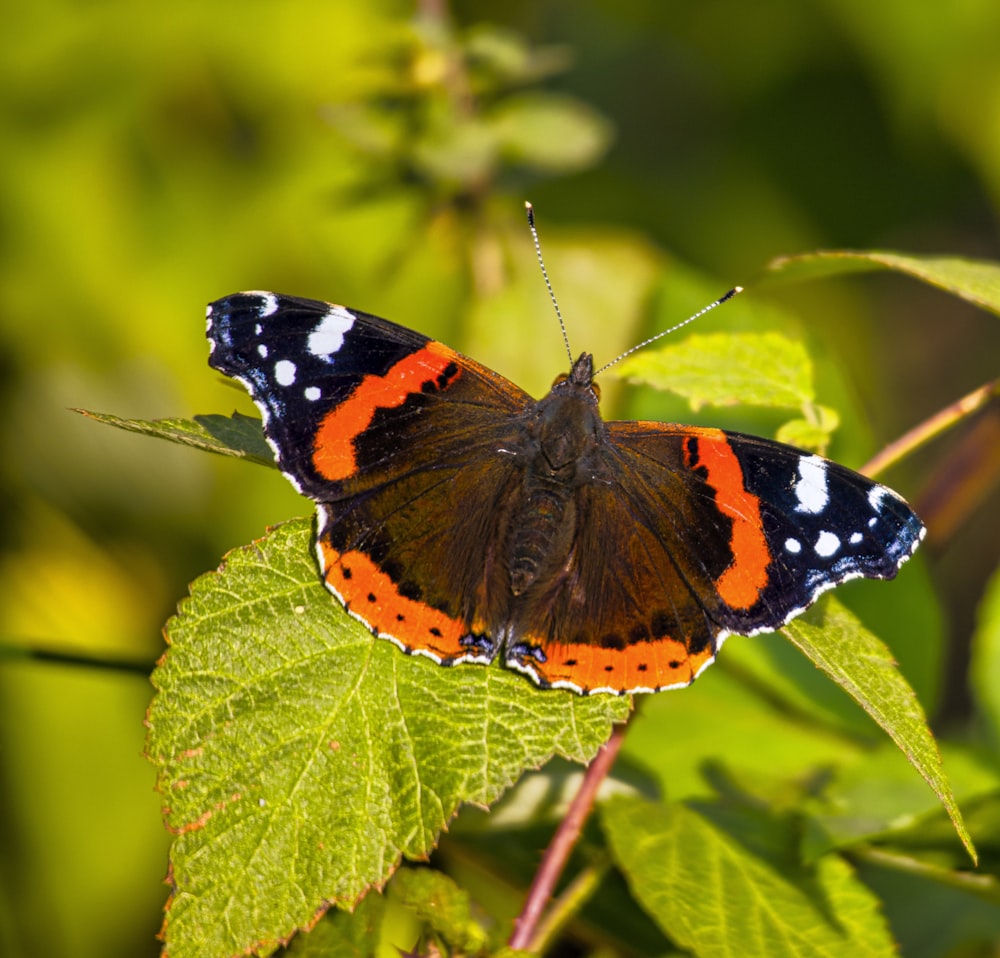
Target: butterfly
<point x="463" y="520"/>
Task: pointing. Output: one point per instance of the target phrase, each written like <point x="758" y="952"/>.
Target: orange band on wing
<point x="334" y="455"/>
<point x="741" y="584"/>
<point x="646" y="665"/>
<point x="372" y="596"/>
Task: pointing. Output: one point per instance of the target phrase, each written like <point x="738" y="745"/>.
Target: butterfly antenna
<point x="541" y="262"/>
<point x="673" y="329"/>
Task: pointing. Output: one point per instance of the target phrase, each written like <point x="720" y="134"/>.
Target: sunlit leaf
<point x="721" y="369"/>
<point x="862" y="666"/>
<point x="977" y="281"/>
<point x="719" y="895"/>
<point x="240" y="436"/>
<point x="814" y="433"/>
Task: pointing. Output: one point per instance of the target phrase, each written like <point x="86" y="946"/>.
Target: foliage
<point x="273" y="702"/>
<point x="158" y="158"/>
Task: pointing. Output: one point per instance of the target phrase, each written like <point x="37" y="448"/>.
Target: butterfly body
<point x="462" y="519"/>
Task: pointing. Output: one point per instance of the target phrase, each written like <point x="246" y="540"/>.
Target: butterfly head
<point x="579" y="381"/>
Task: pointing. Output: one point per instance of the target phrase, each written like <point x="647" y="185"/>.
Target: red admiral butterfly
<point x="462" y="519"/>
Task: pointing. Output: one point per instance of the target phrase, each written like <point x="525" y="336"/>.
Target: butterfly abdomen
<point x="538" y="530"/>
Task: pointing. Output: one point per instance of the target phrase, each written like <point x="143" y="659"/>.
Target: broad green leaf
<point x="985" y="671"/>
<point x="240" y="436"/>
<point x="722" y="369"/>
<point x="836" y="642"/>
<point x="300" y="758"/>
<point x="440" y="904"/>
<point x="977" y="281"/>
<point x="717" y="895"/>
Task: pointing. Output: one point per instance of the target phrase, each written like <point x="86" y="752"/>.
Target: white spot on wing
<point x="811" y="490"/>
<point x="312" y="393"/>
<point x="856" y="537"/>
<point x="875" y="496"/>
<point x="262" y="350"/>
<point x="284" y="372"/>
<point x="269" y="306"/>
<point x="827" y="544"/>
<point x="328" y="336"/>
<point x="793" y="546"/>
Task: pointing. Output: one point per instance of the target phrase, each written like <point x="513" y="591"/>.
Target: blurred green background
<point x="378" y="154"/>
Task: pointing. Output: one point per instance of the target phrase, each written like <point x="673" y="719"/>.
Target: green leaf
<point x="977" y="281"/>
<point x="300" y="758"/>
<point x="985" y="672"/>
<point x="440" y="904"/>
<point x="344" y="934"/>
<point x="240" y="436"/>
<point x="836" y="642"/>
<point x="550" y="132"/>
<point x="719" y="895"/>
<point x="813" y="433"/>
<point x="878" y="795"/>
<point x="724" y="369"/>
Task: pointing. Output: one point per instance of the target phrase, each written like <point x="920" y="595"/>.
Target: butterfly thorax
<point x="563" y="436"/>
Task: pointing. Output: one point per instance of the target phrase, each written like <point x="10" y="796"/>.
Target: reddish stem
<point x="934" y="425"/>
<point x="554" y="860"/>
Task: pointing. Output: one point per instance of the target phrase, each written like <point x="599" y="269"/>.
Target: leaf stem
<point x="82" y="658"/>
<point x="527" y="923"/>
<point x="933" y="426"/>
<point x="577" y="892"/>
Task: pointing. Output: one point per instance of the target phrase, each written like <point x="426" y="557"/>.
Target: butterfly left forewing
<point x="395" y="436"/>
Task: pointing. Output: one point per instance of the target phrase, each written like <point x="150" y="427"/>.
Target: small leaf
<point x="300" y="759"/>
<point x="463" y="152"/>
<point x="553" y="133"/>
<point x="813" y="433"/>
<point x="724" y="369"/>
<point x="717" y="895"/>
<point x="240" y="436"/>
<point x="439" y="903"/>
<point x="985" y="670"/>
<point x="977" y="281"/>
<point x="836" y="642"/>
<point x="344" y="934"/>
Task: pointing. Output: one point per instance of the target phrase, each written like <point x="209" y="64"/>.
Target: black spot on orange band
<point x="655" y="665"/>
<point x="430" y="368"/>
<point x="372" y="595"/>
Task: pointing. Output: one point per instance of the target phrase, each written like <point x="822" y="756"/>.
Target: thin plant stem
<point x="931" y="427"/>
<point x="569" y="902"/>
<point x="566" y="836"/>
